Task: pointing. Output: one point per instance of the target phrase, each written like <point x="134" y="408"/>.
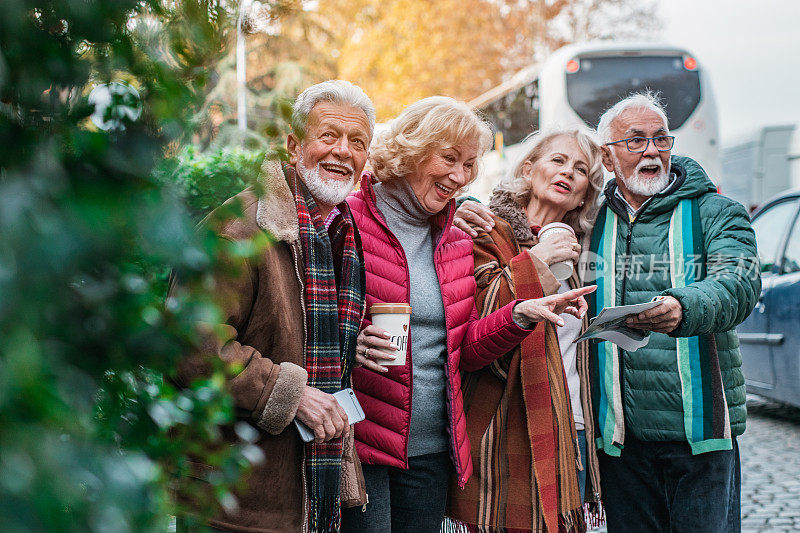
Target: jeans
<point x="400" y="500"/>
<point x="584" y="461"/>
<point x="661" y="486"/>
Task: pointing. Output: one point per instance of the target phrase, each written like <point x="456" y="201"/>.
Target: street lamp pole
<point x="241" y="70"/>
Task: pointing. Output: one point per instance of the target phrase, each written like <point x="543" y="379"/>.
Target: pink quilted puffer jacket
<point x="382" y="439"/>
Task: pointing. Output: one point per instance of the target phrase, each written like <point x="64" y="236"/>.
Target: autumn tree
<point x="403" y="50"/>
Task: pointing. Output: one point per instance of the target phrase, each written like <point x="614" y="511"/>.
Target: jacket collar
<point x="277" y="211"/>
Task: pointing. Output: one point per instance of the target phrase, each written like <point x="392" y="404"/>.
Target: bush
<point x="92" y="438"/>
<point x="206" y="180"/>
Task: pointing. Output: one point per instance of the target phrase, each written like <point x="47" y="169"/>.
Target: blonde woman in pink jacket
<point x="414" y="435"/>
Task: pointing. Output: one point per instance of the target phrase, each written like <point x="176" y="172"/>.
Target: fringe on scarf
<point x="573" y="522"/>
<point x="324" y="515"/>
<point x="594" y="514"/>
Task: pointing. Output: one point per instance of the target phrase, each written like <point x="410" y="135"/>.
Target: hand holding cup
<point x="558" y="247"/>
<point x="373" y="346"/>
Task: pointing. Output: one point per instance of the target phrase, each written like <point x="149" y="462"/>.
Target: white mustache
<point x="336" y="163"/>
<point x="648" y="161"/>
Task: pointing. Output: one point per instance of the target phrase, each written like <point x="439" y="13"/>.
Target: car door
<point x="782" y="304"/>
<point x="770" y="225"/>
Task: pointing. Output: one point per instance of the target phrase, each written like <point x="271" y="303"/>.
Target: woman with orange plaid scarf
<point x="523" y="409"/>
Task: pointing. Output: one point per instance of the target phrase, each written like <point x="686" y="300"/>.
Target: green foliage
<point x="206" y="180"/>
<point x="90" y="435"/>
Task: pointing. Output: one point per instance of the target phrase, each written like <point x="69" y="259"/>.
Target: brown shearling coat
<point x="264" y="324"/>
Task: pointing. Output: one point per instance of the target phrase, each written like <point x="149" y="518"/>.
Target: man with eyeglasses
<point x="669" y="413"/>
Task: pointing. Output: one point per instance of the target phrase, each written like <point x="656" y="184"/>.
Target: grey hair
<point x="519" y="187"/>
<point x="334" y="91"/>
<point x="644" y="100"/>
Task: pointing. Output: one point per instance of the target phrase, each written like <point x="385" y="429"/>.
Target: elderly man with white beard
<point x="291" y="316"/>
<point x="669" y="413"/>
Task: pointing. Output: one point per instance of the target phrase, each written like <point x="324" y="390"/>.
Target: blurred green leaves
<point x="206" y="179"/>
<point x="91" y="221"/>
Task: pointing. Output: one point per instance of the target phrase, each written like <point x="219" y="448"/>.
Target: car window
<point x="769" y="227"/>
<point x="791" y="257"/>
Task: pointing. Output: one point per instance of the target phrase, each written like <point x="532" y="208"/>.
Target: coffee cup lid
<point x="556" y="225"/>
<point x="390" y="308"/>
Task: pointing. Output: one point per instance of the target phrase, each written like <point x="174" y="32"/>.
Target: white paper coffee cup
<point x="563" y="269"/>
<point x="396" y="319"/>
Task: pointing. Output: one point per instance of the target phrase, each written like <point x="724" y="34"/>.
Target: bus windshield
<point x="600" y="82"/>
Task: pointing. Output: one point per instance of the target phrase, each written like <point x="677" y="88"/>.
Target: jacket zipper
<point x="449" y="393"/>
<point x="452" y="429"/>
<point x="627" y="264"/>
<point x="369" y="200"/>
<point x="295" y="256"/>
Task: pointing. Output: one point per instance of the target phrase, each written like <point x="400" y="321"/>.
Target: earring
<point x="581" y="204"/>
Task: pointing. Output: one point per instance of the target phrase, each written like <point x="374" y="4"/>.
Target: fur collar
<point x="504" y="206"/>
<point x="277" y="211"/>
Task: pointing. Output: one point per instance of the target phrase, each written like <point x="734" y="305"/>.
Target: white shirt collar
<point x="331" y="216"/>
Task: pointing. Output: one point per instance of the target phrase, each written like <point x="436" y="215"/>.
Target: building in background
<point x="762" y="165"/>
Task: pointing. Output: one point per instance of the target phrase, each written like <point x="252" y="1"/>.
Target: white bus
<point x="579" y="82"/>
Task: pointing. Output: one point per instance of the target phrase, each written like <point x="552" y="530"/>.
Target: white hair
<point x="334" y="91"/>
<point x="645" y="100"/>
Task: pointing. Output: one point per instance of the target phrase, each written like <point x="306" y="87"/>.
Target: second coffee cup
<point x="396" y="319"/>
<point x="563" y="269"/>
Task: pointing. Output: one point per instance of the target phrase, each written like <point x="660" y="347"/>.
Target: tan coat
<point x="264" y="336"/>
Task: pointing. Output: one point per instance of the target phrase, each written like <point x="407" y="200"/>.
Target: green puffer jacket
<point x="650" y="385"/>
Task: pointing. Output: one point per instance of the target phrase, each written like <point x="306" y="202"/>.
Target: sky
<point x="751" y="50"/>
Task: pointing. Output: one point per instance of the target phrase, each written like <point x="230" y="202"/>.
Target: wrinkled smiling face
<point x="333" y="153"/>
<point x="442" y="174"/>
<point x="642" y="174"/>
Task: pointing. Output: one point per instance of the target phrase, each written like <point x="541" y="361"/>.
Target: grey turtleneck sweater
<point x="411" y="224"/>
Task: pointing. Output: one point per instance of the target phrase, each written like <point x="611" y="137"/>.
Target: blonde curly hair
<point x="535" y="145"/>
<point x="426" y="125"/>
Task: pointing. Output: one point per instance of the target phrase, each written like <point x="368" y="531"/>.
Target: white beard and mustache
<point x="329" y="192"/>
<point x="640" y="185"/>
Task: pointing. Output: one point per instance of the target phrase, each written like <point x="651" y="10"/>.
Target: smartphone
<point x="347" y="399"/>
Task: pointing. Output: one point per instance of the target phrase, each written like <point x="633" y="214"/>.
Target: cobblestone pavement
<point x="770" y="455"/>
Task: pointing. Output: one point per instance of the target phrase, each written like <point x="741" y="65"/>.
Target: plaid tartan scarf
<point x="332" y="321"/>
<point x="705" y="410"/>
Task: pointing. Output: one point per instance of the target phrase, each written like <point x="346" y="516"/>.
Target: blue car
<point x="770" y="337"/>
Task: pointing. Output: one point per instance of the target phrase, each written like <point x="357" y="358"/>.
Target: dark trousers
<point x="400" y="500"/>
<point x="585" y="461"/>
<point x="661" y="486"/>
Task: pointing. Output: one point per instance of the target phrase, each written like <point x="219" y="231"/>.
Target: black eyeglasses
<point x="637" y="145"/>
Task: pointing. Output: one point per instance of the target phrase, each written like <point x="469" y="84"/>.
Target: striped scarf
<point x="705" y="409"/>
<point x="519" y="418"/>
<point x="332" y="319"/>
